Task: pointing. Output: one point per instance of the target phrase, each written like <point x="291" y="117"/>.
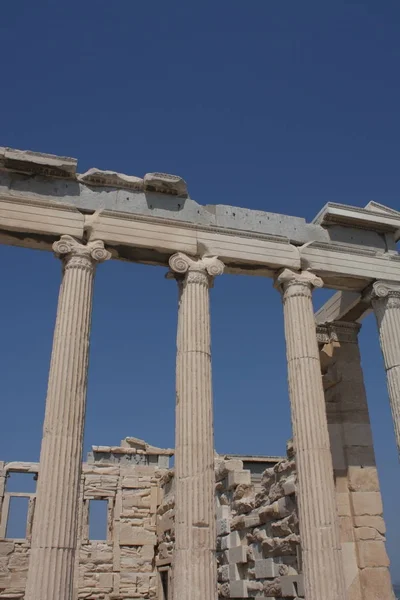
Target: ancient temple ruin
<point x="308" y="525"/>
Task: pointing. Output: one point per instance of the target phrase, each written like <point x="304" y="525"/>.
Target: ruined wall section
<point x="257" y="526"/>
<point x="257" y="530"/>
<point x="122" y="566"/>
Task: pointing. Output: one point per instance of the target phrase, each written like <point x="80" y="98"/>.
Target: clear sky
<point x="276" y="106"/>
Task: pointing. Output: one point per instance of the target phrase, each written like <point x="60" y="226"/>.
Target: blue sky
<point x="277" y="106"/>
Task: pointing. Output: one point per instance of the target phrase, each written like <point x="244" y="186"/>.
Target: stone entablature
<point x="147" y="220"/>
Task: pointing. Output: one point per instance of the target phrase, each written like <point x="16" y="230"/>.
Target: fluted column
<point x="319" y="532"/>
<point x="195" y="568"/>
<point x="54" y="535"/>
<point x="385" y="297"/>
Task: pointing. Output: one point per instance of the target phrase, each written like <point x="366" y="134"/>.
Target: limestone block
<point x="367" y="503"/>
<point x="18" y="562"/>
<point x="6" y="548"/>
<point x="238" y="477"/>
<point x="238" y="554"/>
<point x="111" y="179"/>
<point x="346" y="529"/>
<point x="223" y="512"/>
<point x="230" y="541"/>
<point x="371" y="521"/>
<point x="368" y="533"/>
<point x="351" y="570"/>
<point x="18" y="579"/>
<point x="100" y="485"/>
<point x="165" y="183"/>
<point x="252" y="520"/>
<point x="238" y="589"/>
<point x="223" y="573"/>
<point x="372" y="554"/>
<point x="336" y="443"/>
<point x="376" y="584"/>
<point x="360" y="455"/>
<point x="139" y="499"/>
<point x="39" y="163"/>
<point x="135" y="536"/>
<point x="363" y="479"/>
<point x="225" y="466"/>
<point x="289" y="486"/>
<point x="165" y="522"/>
<point x="357" y="434"/>
<point x="268" y="478"/>
<point x="129" y="482"/>
<point x="93" y="469"/>
<point x="106" y="580"/>
<point x="96" y="554"/>
<point x="343" y="504"/>
<point x="292" y="585"/>
<point x="266" y="568"/>
<point x="223" y="526"/>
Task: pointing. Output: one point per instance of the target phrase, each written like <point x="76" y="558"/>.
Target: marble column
<point x="385" y="298"/>
<point x="318" y="521"/>
<point x="54" y="535"/>
<point x="195" y="568"/>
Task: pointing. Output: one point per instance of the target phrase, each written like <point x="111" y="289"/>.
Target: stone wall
<point x="359" y="501"/>
<point x="120" y="566"/>
<point x="257" y="528"/>
<point x="258" y="545"/>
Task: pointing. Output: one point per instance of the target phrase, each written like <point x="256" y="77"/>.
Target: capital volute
<point x="383" y="291"/>
<point x="196" y="269"/>
<point x="306" y="279"/>
<point x="75" y="254"/>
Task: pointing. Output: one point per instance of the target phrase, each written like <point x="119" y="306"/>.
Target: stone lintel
<point x="353" y="216"/>
<point x="152" y="450"/>
<point x="338" y="331"/>
<point x="37" y="163"/>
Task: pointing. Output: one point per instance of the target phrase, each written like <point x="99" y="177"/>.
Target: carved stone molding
<point x="202" y="270"/>
<point x="338" y="331"/>
<point x="299" y="283"/>
<point x="75" y="254"/>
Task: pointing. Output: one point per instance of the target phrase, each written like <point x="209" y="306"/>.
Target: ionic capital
<point x="201" y="270"/>
<point x="384" y="291"/>
<point x="78" y="255"/>
<point x="304" y="280"/>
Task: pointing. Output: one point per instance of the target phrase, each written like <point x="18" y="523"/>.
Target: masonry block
<point x="266" y="568"/>
<point x="238" y="589"/>
<point x="238" y="554"/>
<point x="292" y="586"/>
<point x="230" y="541"/>
<point x="238" y="477"/>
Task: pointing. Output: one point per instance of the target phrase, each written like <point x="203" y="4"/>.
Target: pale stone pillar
<point x="385" y="298"/>
<point x="195" y="567"/>
<point x="319" y="532"/>
<point x="51" y="566"/>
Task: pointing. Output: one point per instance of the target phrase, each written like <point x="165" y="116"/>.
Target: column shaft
<point x="195" y="569"/>
<point x="54" y="534"/>
<point x="386" y="305"/>
<point x="322" y="564"/>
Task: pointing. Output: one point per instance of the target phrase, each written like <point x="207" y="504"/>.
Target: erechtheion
<point x="306" y="525"/>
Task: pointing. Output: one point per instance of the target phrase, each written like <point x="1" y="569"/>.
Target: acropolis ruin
<point x="306" y="525"/>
